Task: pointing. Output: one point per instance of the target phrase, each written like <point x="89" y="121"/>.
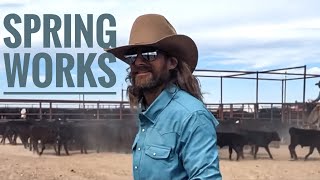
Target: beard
<point x="149" y="80"/>
<point x="145" y="79"/>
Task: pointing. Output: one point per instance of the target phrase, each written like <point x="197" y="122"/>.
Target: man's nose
<point x="139" y="61"/>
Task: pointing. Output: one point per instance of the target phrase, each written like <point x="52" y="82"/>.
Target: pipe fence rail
<point x="287" y="113"/>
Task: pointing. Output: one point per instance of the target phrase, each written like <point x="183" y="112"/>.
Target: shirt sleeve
<point x="199" y="151"/>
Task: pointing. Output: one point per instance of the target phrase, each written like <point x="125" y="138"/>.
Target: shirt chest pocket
<point x="158" y="152"/>
<point x="156" y="158"/>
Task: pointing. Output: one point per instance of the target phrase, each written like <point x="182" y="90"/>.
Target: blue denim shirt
<point x="176" y="139"/>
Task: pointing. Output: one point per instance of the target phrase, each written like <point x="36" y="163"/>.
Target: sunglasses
<point x="147" y="55"/>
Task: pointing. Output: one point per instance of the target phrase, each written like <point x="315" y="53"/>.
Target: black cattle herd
<point x="236" y="135"/>
<point x="75" y="135"/>
<point x="117" y="136"/>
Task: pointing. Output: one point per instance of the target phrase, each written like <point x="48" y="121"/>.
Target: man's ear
<point x="173" y="63"/>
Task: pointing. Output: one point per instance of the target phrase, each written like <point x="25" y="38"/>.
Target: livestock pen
<point x="279" y="115"/>
<point x="286" y="113"/>
<point x="18" y="163"/>
<point x="21" y="164"/>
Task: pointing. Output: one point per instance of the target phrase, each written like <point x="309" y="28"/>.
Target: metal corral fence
<point x="65" y="109"/>
<point x="263" y="116"/>
<point x="287" y="113"/>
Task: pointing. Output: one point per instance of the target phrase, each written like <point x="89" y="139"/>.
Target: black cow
<point x="22" y="129"/>
<point x="2" y="131"/>
<point x="81" y="136"/>
<point x="6" y="134"/>
<point x="89" y="135"/>
<point x="236" y="135"/>
<point x="304" y="137"/>
<point x="65" y="135"/>
<point x="261" y="139"/>
<point x="56" y="133"/>
<point x="234" y="141"/>
<point x="229" y="134"/>
<point x="15" y="129"/>
<point x="44" y="133"/>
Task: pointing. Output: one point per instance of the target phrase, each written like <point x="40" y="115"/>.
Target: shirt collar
<point x="160" y="103"/>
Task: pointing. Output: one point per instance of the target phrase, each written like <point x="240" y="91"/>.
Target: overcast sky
<point x="230" y="35"/>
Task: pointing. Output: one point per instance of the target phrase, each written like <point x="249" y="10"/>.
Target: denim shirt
<point x="176" y="139"/>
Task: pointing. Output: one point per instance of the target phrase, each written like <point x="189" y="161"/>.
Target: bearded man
<point x="177" y="137"/>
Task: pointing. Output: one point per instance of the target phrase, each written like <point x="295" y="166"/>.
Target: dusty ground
<point x="18" y="163"/>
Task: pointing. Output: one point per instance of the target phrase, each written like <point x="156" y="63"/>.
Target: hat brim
<point x="179" y="46"/>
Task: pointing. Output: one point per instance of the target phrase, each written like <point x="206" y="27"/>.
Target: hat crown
<point x="156" y="31"/>
<point x="150" y="28"/>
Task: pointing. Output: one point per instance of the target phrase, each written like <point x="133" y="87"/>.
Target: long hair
<point x="180" y="76"/>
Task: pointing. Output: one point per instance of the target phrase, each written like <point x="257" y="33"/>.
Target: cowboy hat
<point x="317" y="84"/>
<point x="156" y="31"/>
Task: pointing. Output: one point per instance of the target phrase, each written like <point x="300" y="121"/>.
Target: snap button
<point x="139" y="149"/>
<point x="136" y="167"/>
<point x="143" y="130"/>
<point x="154" y="154"/>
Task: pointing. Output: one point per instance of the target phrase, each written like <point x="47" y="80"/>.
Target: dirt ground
<point x="18" y="163"/>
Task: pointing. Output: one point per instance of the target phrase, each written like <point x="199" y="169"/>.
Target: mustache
<point x="140" y="68"/>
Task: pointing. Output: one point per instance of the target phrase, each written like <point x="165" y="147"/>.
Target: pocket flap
<point x="158" y="152"/>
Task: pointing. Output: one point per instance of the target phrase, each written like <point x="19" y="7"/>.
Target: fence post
<point x="98" y="111"/>
<point x="231" y="111"/>
<point x="271" y="112"/>
<point x="50" y="111"/>
<point x="121" y="110"/>
<point x="40" y="111"/>
<point x="242" y="113"/>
